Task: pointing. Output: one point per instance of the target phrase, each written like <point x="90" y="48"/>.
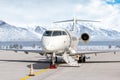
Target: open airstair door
<point x="69" y="60"/>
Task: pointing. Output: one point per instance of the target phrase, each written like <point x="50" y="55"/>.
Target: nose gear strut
<point x="53" y="60"/>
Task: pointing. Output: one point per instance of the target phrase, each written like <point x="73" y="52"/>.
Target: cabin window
<point x="47" y="33"/>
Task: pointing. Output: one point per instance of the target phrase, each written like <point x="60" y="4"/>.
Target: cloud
<point x="40" y="12"/>
<point x="112" y="1"/>
<point x="100" y="10"/>
<point x="34" y="12"/>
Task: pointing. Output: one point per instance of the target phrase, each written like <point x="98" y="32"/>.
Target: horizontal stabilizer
<point x="76" y="20"/>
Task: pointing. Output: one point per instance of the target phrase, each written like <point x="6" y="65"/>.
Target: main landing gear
<point x="53" y="61"/>
<point x="82" y="59"/>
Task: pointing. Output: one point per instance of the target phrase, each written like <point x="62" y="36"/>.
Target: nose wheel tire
<point x="56" y="59"/>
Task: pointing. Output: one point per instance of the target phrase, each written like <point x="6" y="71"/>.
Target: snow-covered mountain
<point x="98" y="33"/>
<point x="39" y="29"/>
<point x="12" y="33"/>
<point x="94" y="32"/>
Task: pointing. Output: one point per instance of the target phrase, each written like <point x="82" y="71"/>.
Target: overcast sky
<point x="44" y="12"/>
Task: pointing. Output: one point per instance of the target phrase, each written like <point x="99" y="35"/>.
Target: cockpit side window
<point x="64" y="33"/>
<point x="47" y="33"/>
<point x="56" y="33"/>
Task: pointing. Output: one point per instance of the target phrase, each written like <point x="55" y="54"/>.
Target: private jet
<point x="59" y="41"/>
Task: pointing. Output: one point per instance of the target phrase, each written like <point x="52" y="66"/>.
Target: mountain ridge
<point x="12" y="33"/>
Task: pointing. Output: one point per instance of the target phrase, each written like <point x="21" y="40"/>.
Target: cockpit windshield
<point x="54" y="33"/>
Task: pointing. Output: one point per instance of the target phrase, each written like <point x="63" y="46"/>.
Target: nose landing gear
<point x="53" y="61"/>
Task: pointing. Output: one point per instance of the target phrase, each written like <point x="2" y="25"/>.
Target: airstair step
<point x="70" y="60"/>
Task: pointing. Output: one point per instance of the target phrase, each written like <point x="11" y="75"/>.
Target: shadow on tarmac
<point x="40" y="64"/>
<point x="36" y="64"/>
<point x="43" y="65"/>
<point x="26" y="61"/>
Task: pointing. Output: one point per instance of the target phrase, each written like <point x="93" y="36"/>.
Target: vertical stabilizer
<point x="74" y="24"/>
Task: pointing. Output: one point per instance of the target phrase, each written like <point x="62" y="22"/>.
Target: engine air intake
<point x="85" y="37"/>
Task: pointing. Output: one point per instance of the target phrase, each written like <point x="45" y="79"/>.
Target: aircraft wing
<point x="25" y="50"/>
<point x="95" y="51"/>
<point x="91" y="52"/>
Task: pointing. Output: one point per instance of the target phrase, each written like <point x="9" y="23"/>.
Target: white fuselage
<point x="56" y="40"/>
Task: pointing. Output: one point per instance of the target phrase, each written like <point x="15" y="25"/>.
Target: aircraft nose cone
<point x="48" y="47"/>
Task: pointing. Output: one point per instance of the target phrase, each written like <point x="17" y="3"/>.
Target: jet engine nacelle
<point x="85" y="37"/>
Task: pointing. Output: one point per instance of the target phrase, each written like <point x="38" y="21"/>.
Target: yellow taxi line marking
<point x="41" y="71"/>
<point x="36" y="73"/>
<point x="26" y="77"/>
